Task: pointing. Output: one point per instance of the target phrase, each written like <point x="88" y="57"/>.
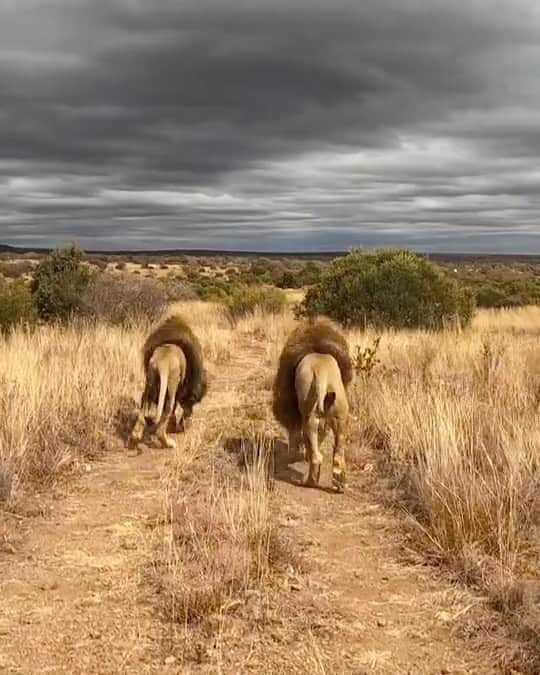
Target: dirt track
<point x="75" y="596"/>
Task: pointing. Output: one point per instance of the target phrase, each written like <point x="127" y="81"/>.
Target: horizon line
<point x="4" y="248"/>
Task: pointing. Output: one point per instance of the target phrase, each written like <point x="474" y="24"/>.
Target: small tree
<point x="244" y="300"/>
<point x="388" y="287"/>
<point x="16" y="305"/>
<point x="59" y="283"/>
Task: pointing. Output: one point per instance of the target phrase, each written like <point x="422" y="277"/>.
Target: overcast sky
<point x="271" y="124"/>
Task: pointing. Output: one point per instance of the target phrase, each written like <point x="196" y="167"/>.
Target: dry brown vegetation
<point x="455" y="419"/>
<point x="450" y="420"/>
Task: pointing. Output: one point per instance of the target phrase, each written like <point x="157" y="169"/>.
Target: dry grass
<point x="453" y="417"/>
<point x="64" y="390"/>
<point x="458" y="419"/>
<point x="221" y="533"/>
<point x="209" y="321"/>
<point x="456" y="422"/>
<point x="60" y="391"/>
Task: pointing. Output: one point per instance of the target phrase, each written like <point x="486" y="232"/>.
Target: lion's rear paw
<point x="133" y="443"/>
<point x="339" y="481"/>
<point x="313" y="476"/>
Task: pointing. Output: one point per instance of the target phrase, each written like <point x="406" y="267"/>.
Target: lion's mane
<point x="175" y="330"/>
<point x="314" y="336"/>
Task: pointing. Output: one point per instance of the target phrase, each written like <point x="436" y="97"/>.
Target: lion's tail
<point x="323" y="397"/>
<point x="163" y="384"/>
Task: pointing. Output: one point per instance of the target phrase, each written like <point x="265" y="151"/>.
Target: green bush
<point x="211" y="290"/>
<point x="59" y="283"/>
<point x="388" y="287"/>
<point x="288" y="280"/>
<point x="514" y="293"/>
<point x="244" y="300"/>
<point x="16" y="305"/>
<point x="300" y="276"/>
<point x="311" y="273"/>
<point x="490" y="296"/>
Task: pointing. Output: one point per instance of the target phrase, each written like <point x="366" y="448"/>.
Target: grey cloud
<point x="324" y="125"/>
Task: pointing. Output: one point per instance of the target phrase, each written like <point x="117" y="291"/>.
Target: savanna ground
<point x="211" y="558"/>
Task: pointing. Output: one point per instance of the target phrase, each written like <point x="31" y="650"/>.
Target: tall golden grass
<point x="62" y="389"/>
<point x="453" y="416"/>
<point x="454" y="419"/>
<point x="457" y="417"/>
<point x="59" y="391"/>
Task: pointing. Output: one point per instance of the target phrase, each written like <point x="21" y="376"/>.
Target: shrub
<point x="514" y="293"/>
<point x="16" y="305"/>
<point x="490" y="296"/>
<point x="244" y="300"/>
<point x="288" y="280"/>
<point x="211" y="290"/>
<point x="311" y="273"/>
<point x="100" y="263"/>
<point x="121" y="266"/>
<point x="388" y="287"/>
<point x="125" y="300"/>
<point x="16" y="268"/>
<point x="59" y="283"/>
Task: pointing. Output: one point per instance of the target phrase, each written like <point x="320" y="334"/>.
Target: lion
<point x="175" y="379"/>
<point x="310" y="393"/>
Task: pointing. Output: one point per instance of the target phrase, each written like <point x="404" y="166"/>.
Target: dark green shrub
<point x="490" y="296"/>
<point x="311" y="273"/>
<point x="16" y="305"/>
<point x="245" y="300"/>
<point x="260" y="267"/>
<point x="211" y="290"/>
<point x="388" y="287"/>
<point x="300" y="276"/>
<point x="288" y="280"/>
<point x="513" y="293"/>
<point x="59" y="283"/>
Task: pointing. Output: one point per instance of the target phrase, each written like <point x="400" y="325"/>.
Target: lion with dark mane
<point x="310" y="393"/>
<point x="175" y="378"/>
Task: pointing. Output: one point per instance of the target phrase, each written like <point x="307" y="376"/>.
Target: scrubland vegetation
<point x="450" y="419"/>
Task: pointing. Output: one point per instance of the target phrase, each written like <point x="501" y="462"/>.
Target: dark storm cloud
<point x="270" y="125"/>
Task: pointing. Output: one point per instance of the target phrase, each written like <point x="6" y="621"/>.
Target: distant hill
<point x="322" y="255"/>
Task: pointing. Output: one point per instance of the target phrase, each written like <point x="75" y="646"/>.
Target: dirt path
<point x="71" y="600"/>
<point x="73" y="597"/>
<point x="381" y="615"/>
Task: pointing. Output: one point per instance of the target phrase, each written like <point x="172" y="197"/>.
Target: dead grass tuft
<point x="222" y="541"/>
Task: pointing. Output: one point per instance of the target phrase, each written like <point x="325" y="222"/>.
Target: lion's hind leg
<point x="338" y="464"/>
<point x="139" y="425"/>
<point x="314" y="456"/>
<point x="137" y="432"/>
<point x="167" y="423"/>
<point x="164" y="425"/>
<point x="296" y="446"/>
